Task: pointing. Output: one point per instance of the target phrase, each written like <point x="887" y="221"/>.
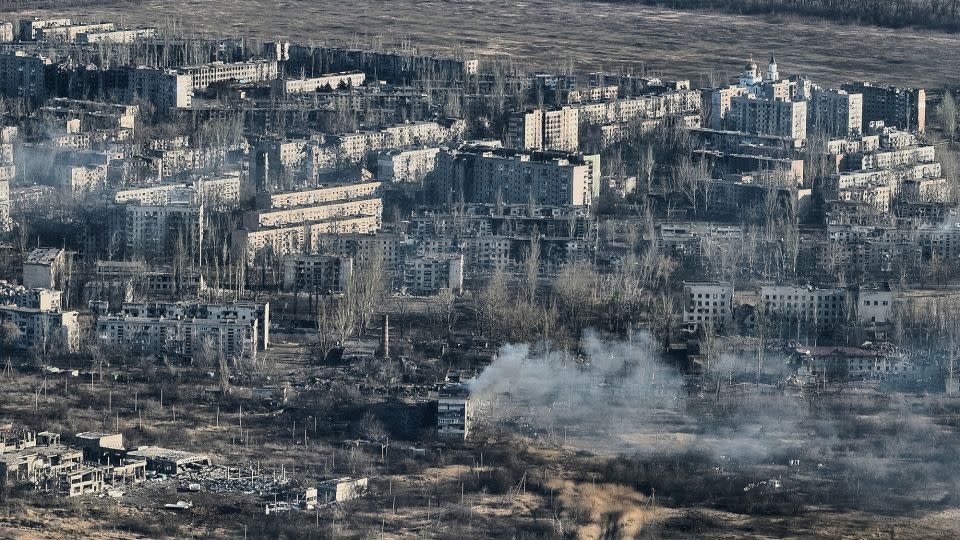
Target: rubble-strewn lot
<point x="850" y="462"/>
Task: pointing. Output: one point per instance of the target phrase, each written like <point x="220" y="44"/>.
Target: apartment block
<point x="163" y="88"/>
<point x="80" y="179"/>
<point x="18" y="295"/>
<point x="489" y="175"/>
<point x="43" y="267"/>
<point x="278" y="241"/>
<point x="93" y="115"/>
<point x="768" y="116"/>
<point x="323" y="274"/>
<point x="238" y="330"/>
<point x="326" y="194"/>
<point x="6" y="222"/>
<point x="544" y="129"/>
<point x="707" y="303"/>
<point x="430" y="274"/>
<point x="30" y="28"/>
<point x="23" y="75"/>
<point x="158" y="231"/>
<point x="406" y="165"/>
<point x="252" y="71"/>
<point x="6" y="32"/>
<point x="314" y="212"/>
<point x="867" y="304"/>
<point x="115" y="35"/>
<point x="330" y="80"/>
<point x="835" y="113"/>
<point x="904" y="108"/>
<point x="353" y="147"/>
<point x="647" y="107"/>
<point x="42" y="330"/>
<point x="69" y="32"/>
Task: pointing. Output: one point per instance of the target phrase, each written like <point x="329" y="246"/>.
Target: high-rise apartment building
<point x="545" y="129"/>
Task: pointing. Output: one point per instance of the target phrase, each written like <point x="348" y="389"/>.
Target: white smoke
<point x="622" y="396"/>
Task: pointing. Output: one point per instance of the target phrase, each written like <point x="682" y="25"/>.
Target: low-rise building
<point x="167" y="461"/>
<point x="341" y="490"/>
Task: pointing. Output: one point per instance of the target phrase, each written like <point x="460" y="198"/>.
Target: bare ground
<point x="592" y="35"/>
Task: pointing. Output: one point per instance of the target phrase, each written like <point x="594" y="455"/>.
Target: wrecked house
<point x="278" y="393"/>
<point x="828" y="364"/>
<point x="16" y="439"/>
<point x="38" y="464"/>
<point x="166" y="461"/>
<point x="341" y="489"/>
<point x="96" y="445"/>
<point x="80" y="481"/>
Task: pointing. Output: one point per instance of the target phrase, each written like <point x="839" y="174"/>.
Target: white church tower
<point x="772" y="74"/>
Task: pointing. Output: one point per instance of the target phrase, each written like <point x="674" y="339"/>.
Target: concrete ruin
<point x="166" y="461"/>
<point x="341" y="490"/>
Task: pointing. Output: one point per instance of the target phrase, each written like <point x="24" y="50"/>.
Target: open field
<point x="592" y="35"/>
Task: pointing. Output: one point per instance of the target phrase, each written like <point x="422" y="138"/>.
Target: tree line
<point x="932" y="14"/>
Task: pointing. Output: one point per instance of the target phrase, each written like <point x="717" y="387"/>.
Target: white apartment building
<point x="708" y="303"/>
<point x="82" y="179"/>
<point x="485" y="176"/>
<point x="406" y="165"/>
<point x="237" y="330"/>
<point x="353" y="147"/>
<point x="544" y="129"/>
<point x="252" y="71"/>
<point x="29" y="28"/>
<point x="164" y="88"/>
<point x="865" y="304"/>
<point x="455" y="412"/>
<point x="69" y="32"/>
<point x="6" y="222"/>
<point x="885" y="159"/>
<point x="156" y="230"/>
<point x="297" y="237"/>
<point x="835" y="113"/>
<point x="217" y="193"/>
<point x="627" y="110"/>
<point x="42" y="330"/>
<point x="308" y="213"/>
<point x="768" y="116"/>
<point x="221" y="192"/>
<point x="430" y="274"/>
<point x="322" y="274"/>
<point x="333" y="80"/>
<point x="42" y="299"/>
<point x="337" y="192"/>
<point x="363" y="247"/>
<point x="115" y="36"/>
<point x="42" y="268"/>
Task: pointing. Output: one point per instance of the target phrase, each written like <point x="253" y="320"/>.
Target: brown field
<point x="590" y="34"/>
